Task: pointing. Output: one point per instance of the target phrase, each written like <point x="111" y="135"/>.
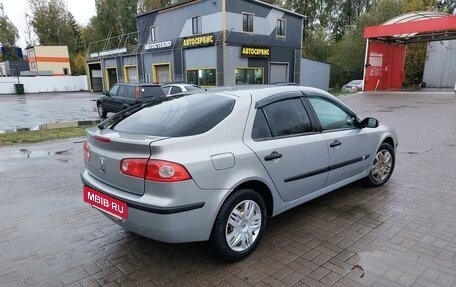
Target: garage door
<point x="132" y="75"/>
<point x="162" y="74"/>
<point x="279" y="73"/>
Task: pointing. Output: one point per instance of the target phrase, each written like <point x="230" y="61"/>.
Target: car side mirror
<point x="369" y="123"/>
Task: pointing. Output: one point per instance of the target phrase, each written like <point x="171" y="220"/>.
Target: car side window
<point x="260" y="130"/>
<point x="331" y="116"/>
<point x="167" y="90"/>
<point x="287" y="117"/>
<point x="113" y="90"/>
<point x="175" y="90"/>
<point x="121" y="91"/>
<point x="130" y="92"/>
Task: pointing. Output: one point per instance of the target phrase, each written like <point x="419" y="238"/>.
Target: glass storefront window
<point x="248" y="76"/>
<point x="201" y="77"/>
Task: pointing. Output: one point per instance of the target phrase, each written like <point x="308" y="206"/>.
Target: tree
<point x="55" y="25"/>
<point x="114" y="18"/>
<point x="448" y="6"/>
<point x="78" y="64"/>
<point x="317" y="45"/>
<point x="8" y="37"/>
<point x="149" y="5"/>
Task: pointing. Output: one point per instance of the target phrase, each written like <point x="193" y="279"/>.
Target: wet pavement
<point x="32" y="110"/>
<point x="401" y="234"/>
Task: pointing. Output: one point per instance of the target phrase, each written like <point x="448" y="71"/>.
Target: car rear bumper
<point x="168" y="223"/>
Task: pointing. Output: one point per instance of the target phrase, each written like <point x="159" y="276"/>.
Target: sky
<point x="82" y="11"/>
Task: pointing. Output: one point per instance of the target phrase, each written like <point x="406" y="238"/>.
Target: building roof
<point x="184" y="3"/>
<point x="413" y="27"/>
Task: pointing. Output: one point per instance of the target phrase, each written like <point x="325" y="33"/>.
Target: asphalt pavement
<point x="30" y="111"/>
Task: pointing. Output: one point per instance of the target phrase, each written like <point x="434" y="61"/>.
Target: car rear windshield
<point x="151" y="92"/>
<point x="178" y="116"/>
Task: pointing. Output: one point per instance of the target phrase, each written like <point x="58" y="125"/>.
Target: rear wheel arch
<point x="263" y="190"/>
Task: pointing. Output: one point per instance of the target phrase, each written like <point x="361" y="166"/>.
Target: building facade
<point x="13" y="68"/>
<point x="208" y="43"/>
<point x="52" y="59"/>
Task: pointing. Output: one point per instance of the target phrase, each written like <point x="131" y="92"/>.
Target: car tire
<point x="239" y="225"/>
<point x="382" y="166"/>
<point x="101" y="111"/>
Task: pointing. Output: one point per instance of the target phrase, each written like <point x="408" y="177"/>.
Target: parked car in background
<point x="122" y="96"/>
<point x="215" y="165"/>
<point x="171" y="89"/>
<point x="353" y="86"/>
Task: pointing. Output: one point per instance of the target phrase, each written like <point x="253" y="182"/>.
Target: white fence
<point x="43" y="84"/>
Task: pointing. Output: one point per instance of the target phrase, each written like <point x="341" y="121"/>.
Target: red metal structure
<point x="386" y="45"/>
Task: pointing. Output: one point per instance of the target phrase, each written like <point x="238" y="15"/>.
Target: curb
<point x="53" y="126"/>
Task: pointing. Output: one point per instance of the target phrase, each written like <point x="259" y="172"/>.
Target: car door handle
<point x="273" y="155"/>
<point x="335" y="143"/>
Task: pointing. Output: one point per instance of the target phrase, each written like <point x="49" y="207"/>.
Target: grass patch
<point x="25" y="137"/>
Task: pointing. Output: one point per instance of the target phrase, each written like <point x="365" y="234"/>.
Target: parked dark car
<point x="122" y="96"/>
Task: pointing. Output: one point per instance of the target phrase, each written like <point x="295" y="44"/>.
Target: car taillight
<point x="154" y="170"/>
<point x="86" y="151"/>
<point x="134" y="167"/>
<point x="137" y="93"/>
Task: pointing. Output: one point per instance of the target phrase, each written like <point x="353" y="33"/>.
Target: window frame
<point x="197" y="70"/>
<point x="153" y="38"/>
<point x="248" y="68"/>
<point x="279" y="98"/>
<point x="253" y="22"/>
<point x="199" y="24"/>
<point x="282" y="29"/>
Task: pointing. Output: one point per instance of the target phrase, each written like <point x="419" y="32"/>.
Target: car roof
<point x="140" y="84"/>
<point x="179" y="85"/>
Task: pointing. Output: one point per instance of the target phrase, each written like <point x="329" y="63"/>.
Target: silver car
<point x="172" y="89"/>
<point x="215" y="165"/>
<point x="353" y="86"/>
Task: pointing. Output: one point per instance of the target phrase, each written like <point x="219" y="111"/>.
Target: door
<point x="112" y="77"/>
<point x="349" y="146"/>
<point x="285" y="141"/>
<point x="131" y="74"/>
<point x="162" y="73"/>
<point x="279" y="73"/>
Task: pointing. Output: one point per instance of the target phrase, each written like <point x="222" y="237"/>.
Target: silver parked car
<point x="215" y="165"/>
<point x="353" y="86"/>
<point x="171" y="89"/>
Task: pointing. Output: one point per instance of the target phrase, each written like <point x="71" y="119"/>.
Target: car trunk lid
<point x="108" y="148"/>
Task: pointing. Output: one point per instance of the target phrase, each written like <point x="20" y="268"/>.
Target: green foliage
<point x="114" y="18"/>
<point x="149" y="5"/>
<point x="317" y="45"/>
<point x="77" y="62"/>
<point x="8" y="38"/>
<point x="55" y="25"/>
<point x="41" y="136"/>
<point x="8" y="32"/>
<point x="415" y="58"/>
<point x="447" y="6"/>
